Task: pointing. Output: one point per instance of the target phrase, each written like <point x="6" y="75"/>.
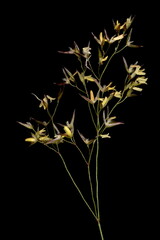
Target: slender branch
<point x="97" y="190"/>
<point x="51" y="148"/>
<point x="119" y="102"/>
<point x="106" y="65"/>
<point x="75" y="144"/>
<point x="114" y="53"/>
<point x="51" y="116"/>
<point x="120" y="50"/>
<point x="76" y="186"/>
<point x="92" y="71"/>
<point x="97" y="158"/>
<point x="97" y="182"/>
<point x="72" y="179"/>
<point x="90" y="179"/>
<point x="97" y="171"/>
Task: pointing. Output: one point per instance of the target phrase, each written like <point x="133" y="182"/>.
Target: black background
<point x="39" y="200"/>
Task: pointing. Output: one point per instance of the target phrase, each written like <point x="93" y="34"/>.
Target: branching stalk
<point x="97" y="102"/>
<point x="76" y="186"/>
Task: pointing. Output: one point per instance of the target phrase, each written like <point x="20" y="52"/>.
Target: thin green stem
<point x="114" y="53"/>
<point x="55" y="109"/>
<point x="73" y="181"/>
<point x="97" y="191"/>
<point x="106" y="65"/>
<point x="116" y="104"/>
<point x="122" y="99"/>
<point x="81" y="64"/>
<point x="97" y="160"/>
<point x="75" y="144"/>
<point x="91" y="188"/>
<point x="51" y="116"/>
<point x="120" y="50"/>
<point x="119" y="102"/>
<point x="91" y="152"/>
<point x="76" y="186"/>
<point x="75" y="86"/>
<point x="51" y="148"/>
<point x="90" y="179"/>
<point x="97" y="171"/>
<point x="100" y="230"/>
<point x="97" y="182"/>
<point x="90" y="66"/>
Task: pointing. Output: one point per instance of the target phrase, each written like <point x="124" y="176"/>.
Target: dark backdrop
<point x="39" y="200"/>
